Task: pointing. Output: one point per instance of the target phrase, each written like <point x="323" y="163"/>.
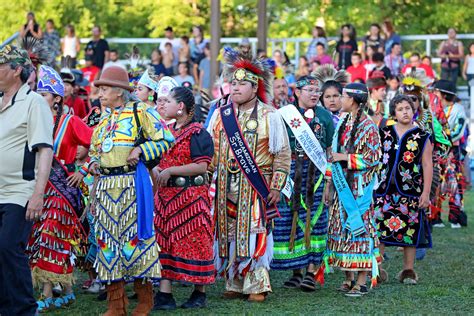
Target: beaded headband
<point x="355" y="91"/>
<point x="243" y="74"/>
<point x="307" y="82"/>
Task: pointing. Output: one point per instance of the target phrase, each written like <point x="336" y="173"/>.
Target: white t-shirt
<point x="69" y="46"/>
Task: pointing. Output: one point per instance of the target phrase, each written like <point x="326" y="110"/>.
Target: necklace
<point x="107" y="140"/>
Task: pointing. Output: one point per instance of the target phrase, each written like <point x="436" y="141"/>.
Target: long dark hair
<point x="185" y="95"/>
<point x="329" y="84"/>
<point x="59" y="112"/>
<point x="353" y="34"/>
<point x="361" y="100"/>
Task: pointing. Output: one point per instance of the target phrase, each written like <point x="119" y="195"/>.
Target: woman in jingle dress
<point x="183" y="220"/>
<point x="58" y="238"/>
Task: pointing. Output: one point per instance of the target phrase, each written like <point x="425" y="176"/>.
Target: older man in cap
<point x="26" y="131"/>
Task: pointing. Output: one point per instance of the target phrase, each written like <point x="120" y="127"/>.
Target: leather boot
<point x="145" y="298"/>
<point x="117" y="301"/>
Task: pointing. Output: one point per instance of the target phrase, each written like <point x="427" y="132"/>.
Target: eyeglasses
<point x="312" y="91"/>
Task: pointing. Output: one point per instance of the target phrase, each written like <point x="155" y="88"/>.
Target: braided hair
<point x="185" y="95"/>
<point x="59" y="112"/>
<point x="361" y="100"/>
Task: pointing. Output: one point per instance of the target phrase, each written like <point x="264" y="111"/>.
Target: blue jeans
<point x="469" y="78"/>
<point x="16" y="288"/>
<point x="450" y="74"/>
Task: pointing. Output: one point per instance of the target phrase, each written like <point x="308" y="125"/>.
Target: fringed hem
<point x="40" y="276"/>
<point x="278" y="136"/>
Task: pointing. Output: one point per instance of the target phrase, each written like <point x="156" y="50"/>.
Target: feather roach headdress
<point x="256" y="70"/>
<point x="416" y="79"/>
<point x="327" y="72"/>
<point x="37" y="51"/>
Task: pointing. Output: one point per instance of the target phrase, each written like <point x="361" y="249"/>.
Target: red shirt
<point x="77" y="105"/>
<point x="70" y="133"/>
<point x="90" y="73"/>
<point x="358" y="72"/>
<point x="428" y="70"/>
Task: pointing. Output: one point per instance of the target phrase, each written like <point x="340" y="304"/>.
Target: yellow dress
<point x="121" y="255"/>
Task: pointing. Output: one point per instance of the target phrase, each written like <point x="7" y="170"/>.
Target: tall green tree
<point x="294" y="18"/>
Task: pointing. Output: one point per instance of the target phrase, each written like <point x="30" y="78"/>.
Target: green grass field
<point x="446" y="286"/>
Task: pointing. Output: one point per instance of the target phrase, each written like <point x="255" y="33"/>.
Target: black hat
<point x="68" y="77"/>
<point x="79" y="78"/>
<point x="445" y="86"/>
<point x="169" y="29"/>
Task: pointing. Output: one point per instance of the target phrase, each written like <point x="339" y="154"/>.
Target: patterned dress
<point x="400" y="222"/>
<point x="183" y="221"/>
<point x="121" y="253"/>
<point x="59" y="237"/>
<point x="346" y="251"/>
<point x="301" y="230"/>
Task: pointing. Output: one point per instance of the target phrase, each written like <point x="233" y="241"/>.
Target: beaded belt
<point x="191" y="181"/>
<point x="112" y="171"/>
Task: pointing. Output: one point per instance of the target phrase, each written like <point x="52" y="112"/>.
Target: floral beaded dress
<point x="183" y="221"/>
<point x="400" y="222"/>
<point x="345" y="250"/>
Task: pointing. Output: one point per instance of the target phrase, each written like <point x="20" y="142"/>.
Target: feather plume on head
<point x="256" y="70"/>
<point x="327" y="72"/>
<point x="416" y="79"/>
<point x="38" y="52"/>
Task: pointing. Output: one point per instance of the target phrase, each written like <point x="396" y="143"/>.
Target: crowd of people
<point x="121" y="175"/>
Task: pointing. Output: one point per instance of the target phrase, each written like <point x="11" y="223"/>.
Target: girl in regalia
<point x="352" y="236"/>
<point x="58" y="238"/>
<point x="404" y="190"/>
<point x="183" y="220"/>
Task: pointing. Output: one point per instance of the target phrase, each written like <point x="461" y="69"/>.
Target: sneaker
<point x="457" y="225"/>
<point x="197" y="300"/>
<point x="439" y="225"/>
<point x="164" y="301"/>
<point x="87" y="284"/>
<point x="57" y="290"/>
<point x="357" y="291"/>
<point x="65" y="300"/>
<point x="94" y="288"/>
<point x="45" y="304"/>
